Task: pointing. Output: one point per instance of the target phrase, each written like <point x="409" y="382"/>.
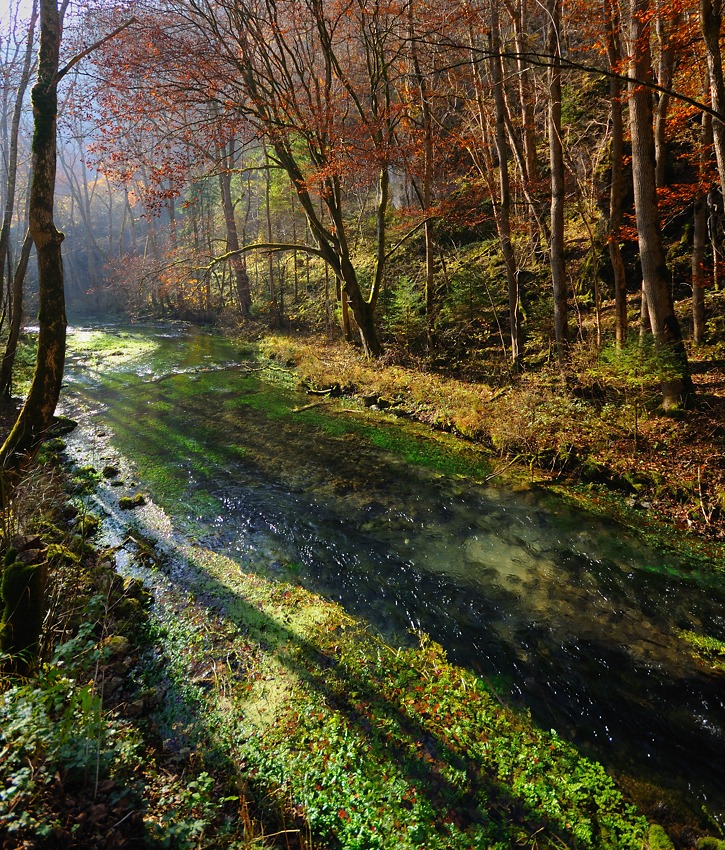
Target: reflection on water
<point x="573" y="617"/>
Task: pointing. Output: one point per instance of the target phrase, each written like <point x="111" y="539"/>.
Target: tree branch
<point x="82" y="55"/>
<point x="264" y="246"/>
<point x="409" y="234"/>
<point x="545" y="60"/>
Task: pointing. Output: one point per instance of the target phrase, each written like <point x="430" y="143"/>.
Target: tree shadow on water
<point x="461" y="789"/>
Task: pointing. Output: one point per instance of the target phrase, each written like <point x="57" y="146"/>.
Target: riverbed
<point x="572" y="617"/>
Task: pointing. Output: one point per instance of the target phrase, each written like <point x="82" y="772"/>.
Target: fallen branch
<point x="310" y="406"/>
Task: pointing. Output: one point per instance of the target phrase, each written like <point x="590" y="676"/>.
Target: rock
<point x="110" y="471"/>
<point x="127" y="503"/>
<point x="115" y="646"/>
<point x="114" y="685"/>
<point x="135" y="708"/>
<point x="61" y="425"/>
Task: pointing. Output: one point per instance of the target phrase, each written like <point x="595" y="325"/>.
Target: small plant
<point x="405" y="313"/>
<point x="639" y="369"/>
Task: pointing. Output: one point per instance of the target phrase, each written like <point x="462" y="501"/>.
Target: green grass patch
<point x="380" y="747"/>
<point x="705" y="648"/>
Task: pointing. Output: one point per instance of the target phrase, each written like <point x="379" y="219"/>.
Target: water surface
<point x="573" y="617"/>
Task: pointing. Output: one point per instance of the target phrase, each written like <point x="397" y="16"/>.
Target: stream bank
<point x="601" y="441"/>
<point x="315" y="495"/>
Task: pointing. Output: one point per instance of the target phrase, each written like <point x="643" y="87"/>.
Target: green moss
<point x="88" y="524"/>
<point x="127" y="503"/>
<point x="109" y="348"/>
<point x="377" y="747"/>
<point x="658" y="839"/>
<point x="707" y="649"/>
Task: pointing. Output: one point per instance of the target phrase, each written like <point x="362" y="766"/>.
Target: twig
<point x="501" y="471"/>
<point x="708" y="516"/>
<point x="309" y="406"/>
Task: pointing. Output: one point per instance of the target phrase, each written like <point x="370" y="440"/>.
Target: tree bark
<point x="12" y="162"/>
<point x="616" y="187"/>
<point x="16" y="320"/>
<point x="699" y="236"/>
<point x="431" y="300"/>
<point x="241" y="277"/>
<point x="503" y="218"/>
<point x="36" y="415"/>
<point x="655" y="276"/>
<point x="556" y="160"/>
<point x="711" y="25"/>
<point x="665" y="72"/>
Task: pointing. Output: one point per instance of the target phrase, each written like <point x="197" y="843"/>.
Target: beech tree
<point x="317" y="81"/>
<point x="656" y="289"/>
<point x="36" y="414"/>
<point x="14" y="298"/>
<point x="556" y="164"/>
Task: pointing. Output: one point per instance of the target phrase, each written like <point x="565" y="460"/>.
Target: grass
<point x="668" y="467"/>
<point x="376" y="746"/>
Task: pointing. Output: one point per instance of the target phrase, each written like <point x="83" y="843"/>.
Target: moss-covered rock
<point x="658" y="838"/>
<point x="127" y="503"/>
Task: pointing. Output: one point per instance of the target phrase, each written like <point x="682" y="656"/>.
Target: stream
<point x="574" y="618"/>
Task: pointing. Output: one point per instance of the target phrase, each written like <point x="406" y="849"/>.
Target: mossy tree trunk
<point x="36" y="415"/>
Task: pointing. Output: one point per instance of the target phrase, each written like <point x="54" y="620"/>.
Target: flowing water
<point x="571" y="616"/>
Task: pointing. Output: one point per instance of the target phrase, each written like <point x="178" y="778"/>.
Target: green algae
<point x="707" y="649"/>
<point x="375" y="746"/>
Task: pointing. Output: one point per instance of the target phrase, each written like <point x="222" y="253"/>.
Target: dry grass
<point x="608" y="435"/>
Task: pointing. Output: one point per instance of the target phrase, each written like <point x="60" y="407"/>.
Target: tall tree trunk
<point x="503" y="218"/>
<point x="431" y="306"/>
<point x="16" y="321"/>
<point x="556" y="159"/>
<point x="665" y="72"/>
<point x="241" y="277"/>
<point x="268" y="211"/>
<point x="12" y="160"/>
<point x="655" y="277"/>
<point x="711" y="25"/>
<point x="616" y="188"/>
<point x="699" y="235"/>
<point x="36" y="415"/>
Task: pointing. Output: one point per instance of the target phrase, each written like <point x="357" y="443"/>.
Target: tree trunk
<point x="240" y="273"/>
<point x="503" y="219"/>
<point x="431" y="300"/>
<point x="655" y="277"/>
<point x="12" y="161"/>
<point x="616" y="188"/>
<point x="36" y="415"/>
<point x="556" y="159"/>
<point x="711" y="25"/>
<point x="665" y="71"/>
<point x="16" y="320"/>
<point x="699" y="236"/>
